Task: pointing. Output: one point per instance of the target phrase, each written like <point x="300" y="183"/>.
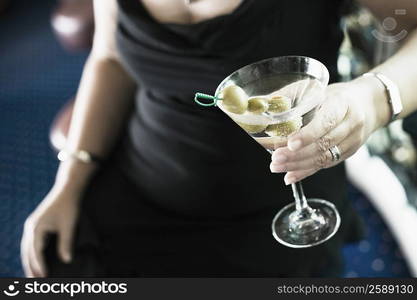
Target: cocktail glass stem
<point x="299" y="197"/>
<point x="304" y="219"/>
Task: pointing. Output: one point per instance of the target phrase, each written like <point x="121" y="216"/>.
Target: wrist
<point x="377" y="104"/>
<point x="74" y="175"/>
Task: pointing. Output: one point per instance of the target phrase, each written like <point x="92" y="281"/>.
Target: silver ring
<point x="335" y="152"/>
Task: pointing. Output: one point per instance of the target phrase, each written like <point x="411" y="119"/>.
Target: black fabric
<point x="188" y="193"/>
<point x="121" y="233"/>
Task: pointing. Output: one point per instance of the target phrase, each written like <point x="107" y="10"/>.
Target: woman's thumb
<point x="64" y="245"/>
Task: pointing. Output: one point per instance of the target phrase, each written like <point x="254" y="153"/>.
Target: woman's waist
<point x="201" y="184"/>
<point x="190" y="135"/>
<point x="191" y="184"/>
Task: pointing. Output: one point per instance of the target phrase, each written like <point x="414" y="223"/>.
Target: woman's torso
<point x="195" y="160"/>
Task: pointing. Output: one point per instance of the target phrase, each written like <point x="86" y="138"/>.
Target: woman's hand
<point x="57" y="213"/>
<point x="346" y="118"/>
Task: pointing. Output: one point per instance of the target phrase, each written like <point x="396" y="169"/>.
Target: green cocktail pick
<point x="201" y="96"/>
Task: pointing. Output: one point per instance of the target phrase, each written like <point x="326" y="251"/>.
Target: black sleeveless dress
<point x="187" y="193"/>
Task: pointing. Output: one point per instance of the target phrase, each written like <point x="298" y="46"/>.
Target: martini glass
<point x="270" y="100"/>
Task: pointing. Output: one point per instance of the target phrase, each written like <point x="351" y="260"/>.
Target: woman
<point x="182" y="191"/>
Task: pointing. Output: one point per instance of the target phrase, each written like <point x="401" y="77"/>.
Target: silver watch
<point x="392" y="92"/>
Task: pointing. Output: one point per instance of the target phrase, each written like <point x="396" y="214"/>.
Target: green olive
<point x="249" y="128"/>
<point x="279" y="104"/>
<point x="257" y="105"/>
<point x="235" y="99"/>
<point x="285" y="128"/>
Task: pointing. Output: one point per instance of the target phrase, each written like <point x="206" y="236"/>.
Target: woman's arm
<point x="355" y="109"/>
<point x="103" y="100"/>
<point x="101" y="108"/>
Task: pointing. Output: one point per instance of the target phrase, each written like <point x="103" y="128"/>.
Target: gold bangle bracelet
<point x="80" y="155"/>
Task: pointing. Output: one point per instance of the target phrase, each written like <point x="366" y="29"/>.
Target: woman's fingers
<point x="271" y="143"/>
<point x="326" y="119"/>
<point x="293" y="177"/>
<point x="346" y="148"/>
<point x="38" y="259"/>
<point x="64" y="244"/>
<point x="35" y="247"/>
<point x="322" y="161"/>
<point x="33" y="264"/>
<point x="313" y="156"/>
<point x="24" y="254"/>
<point x="31" y="250"/>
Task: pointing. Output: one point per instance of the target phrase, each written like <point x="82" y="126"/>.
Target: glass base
<point x="308" y="227"/>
